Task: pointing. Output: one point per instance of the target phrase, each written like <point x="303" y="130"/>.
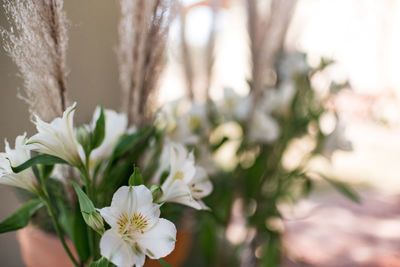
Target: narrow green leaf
<point x="155" y="188"/>
<point x="85" y="203"/>
<point x="345" y="189"/>
<point x="89" y="213"/>
<point x="102" y="262"/>
<point x="20" y="218"/>
<point x="83" y="137"/>
<point x="79" y="235"/>
<point x="43" y="159"/>
<point x="136" y="177"/>
<point x="163" y="263"/>
<point x="99" y="130"/>
<point x="46" y="170"/>
<point x="128" y="141"/>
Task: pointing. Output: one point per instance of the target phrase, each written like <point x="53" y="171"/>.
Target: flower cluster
<point x="99" y="149"/>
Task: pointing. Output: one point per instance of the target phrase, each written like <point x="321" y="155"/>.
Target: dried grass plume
<point x="143" y="33"/>
<point x="37" y="42"/>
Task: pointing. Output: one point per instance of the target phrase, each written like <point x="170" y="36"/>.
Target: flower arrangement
<point x="118" y="186"/>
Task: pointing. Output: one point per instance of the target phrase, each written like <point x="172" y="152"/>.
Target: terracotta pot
<point x="40" y="249"/>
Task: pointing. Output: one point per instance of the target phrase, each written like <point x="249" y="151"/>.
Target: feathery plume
<point x="37" y="42"/>
<point x="186" y="56"/>
<point x="210" y="57"/>
<point x="143" y="33"/>
<point x="267" y="35"/>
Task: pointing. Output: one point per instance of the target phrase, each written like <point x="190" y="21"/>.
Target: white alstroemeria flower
<point x="15" y="157"/>
<point x="197" y="117"/>
<point x="182" y="132"/>
<point x="163" y="162"/>
<point x="264" y="128"/>
<point x="172" y="121"/>
<point x="58" y="138"/>
<point x="278" y="100"/>
<point x="235" y="106"/>
<point x="136" y="229"/>
<point x="116" y="125"/>
<point x="186" y="184"/>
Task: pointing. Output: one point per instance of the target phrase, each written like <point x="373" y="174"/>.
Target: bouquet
<point x="123" y="185"/>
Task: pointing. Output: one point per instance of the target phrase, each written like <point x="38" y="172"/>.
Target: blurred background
<point x="361" y="36"/>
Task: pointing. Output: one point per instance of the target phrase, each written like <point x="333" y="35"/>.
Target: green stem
<point x="89" y="190"/>
<point x="59" y="232"/>
<point x="44" y="195"/>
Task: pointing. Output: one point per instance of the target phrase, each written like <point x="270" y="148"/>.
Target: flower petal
<point x="179" y="192"/>
<point x="123" y="201"/>
<point x="116" y="250"/>
<point x="159" y="241"/>
<point x="110" y="215"/>
<point x="115" y="126"/>
<point x="201" y="186"/>
<point x="57" y="138"/>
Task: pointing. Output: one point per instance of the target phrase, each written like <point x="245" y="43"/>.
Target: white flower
<point x="136" y="229"/>
<point x="278" y="100"/>
<point x="186" y="184"/>
<point x="116" y="125"/>
<point x="235" y="106"/>
<point x="58" y="138"/>
<point x="264" y="128"/>
<point x="15" y="157"/>
<point x="180" y="123"/>
<point x="163" y="162"/>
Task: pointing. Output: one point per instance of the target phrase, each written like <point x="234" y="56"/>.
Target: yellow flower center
<point x="178" y="175"/>
<point x="194" y="122"/>
<point x="138" y="221"/>
<point x="230" y="103"/>
<point x="127" y="226"/>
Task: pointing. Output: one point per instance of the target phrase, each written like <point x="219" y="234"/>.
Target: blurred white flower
<point x="336" y="140"/>
<point x="186" y="184"/>
<point x="15" y="157"/>
<point x="173" y="121"/>
<point x="58" y="138"/>
<point x="264" y="128"/>
<point x="197" y="117"/>
<point x="116" y="125"/>
<point x="279" y="99"/>
<point x="136" y="229"/>
<point x="163" y="162"/>
<point x="234" y="106"/>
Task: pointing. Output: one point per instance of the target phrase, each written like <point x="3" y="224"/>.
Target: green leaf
<point x="89" y="213"/>
<point x="99" y="130"/>
<point x="163" y="263"/>
<point x="102" y="262"/>
<point x="155" y="188"/>
<point x="85" y="203"/>
<point x="20" y="218"/>
<point x="84" y="138"/>
<point x="43" y="159"/>
<point x="345" y="189"/>
<point x="79" y="235"/>
<point x="136" y="177"/>
<point x="126" y="142"/>
<point x="272" y="253"/>
<point x="46" y="170"/>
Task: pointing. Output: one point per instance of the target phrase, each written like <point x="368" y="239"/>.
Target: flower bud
<point x="95" y="221"/>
